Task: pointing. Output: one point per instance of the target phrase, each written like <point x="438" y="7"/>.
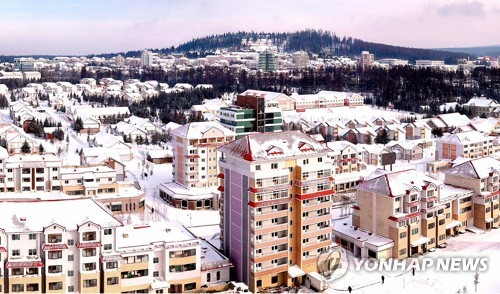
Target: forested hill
<point x="320" y="42"/>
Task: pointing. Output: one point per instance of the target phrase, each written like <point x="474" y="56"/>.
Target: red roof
<point x="54" y="246"/>
<point x="220" y="176"/>
<point x="2" y="249"/>
<point x="88" y="244"/>
<point x="221" y="188"/>
<point x="404" y="217"/>
<point x="24" y="264"/>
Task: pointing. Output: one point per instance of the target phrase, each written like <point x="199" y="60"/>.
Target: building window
<point x="54" y="255"/>
<point x="90" y="283"/>
<point x="89" y="236"/>
<point x="32" y="252"/>
<point x="218" y="275"/>
<point x="54" y="238"/>
<point x="71" y="273"/>
<point x="112" y="281"/>
<point x="16" y="252"/>
<point x="55" y="285"/>
<point x="71" y="242"/>
<point x="156" y="259"/>
<point x="190" y="286"/>
<point x="54" y="269"/>
<point x="107" y="246"/>
<point x="274" y="166"/>
<point x="71" y="288"/>
<point x="156" y="274"/>
<point x="402" y="251"/>
<point x="414" y="231"/>
<point x="16" y="237"/>
<point x="88" y="252"/>
<point x="431" y="226"/>
<point x="107" y="231"/>
<point x="89" y="266"/>
<point x="18" y="287"/>
<point x="32" y="236"/>
<point x="71" y="257"/>
<point x="274" y="280"/>
<point x="259" y="283"/>
<point x="111" y="264"/>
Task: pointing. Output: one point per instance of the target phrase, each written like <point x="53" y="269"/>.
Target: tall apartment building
<point x="472" y="144"/>
<point x="146" y="58"/>
<point x="400" y="214"/>
<point x="275" y="206"/>
<point x="253" y="112"/>
<point x="194" y="165"/>
<point x="82" y="248"/>
<point x="366" y="59"/>
<point x="267" y="61"/>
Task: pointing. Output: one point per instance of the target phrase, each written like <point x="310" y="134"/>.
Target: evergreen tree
<point x="41" y="150"/>
<point x="78" y="125"/>
<point x="382" y="137"/>
<point x="25" y="148"/>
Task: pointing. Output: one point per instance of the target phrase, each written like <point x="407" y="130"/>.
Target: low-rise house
<point x="407" y="150"/>
<point x="481" y="106"/>
<point x="372" y="153"/>
<point x="417" y="130"/>
<point x="160" y="156"/>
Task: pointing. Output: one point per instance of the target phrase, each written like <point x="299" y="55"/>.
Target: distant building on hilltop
<point x="146" y="58"/>
<point x="267" y="61"/>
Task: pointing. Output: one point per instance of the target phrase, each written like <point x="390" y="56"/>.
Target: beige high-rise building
<point x="276" y="191"/>
<point x="194" y="171"/>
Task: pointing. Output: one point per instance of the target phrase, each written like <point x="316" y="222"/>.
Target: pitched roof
<point x="263" y="146"/>
<point x="476" y="168"/>
<point x="396" y="183"/>
<point x="195" y="130"/>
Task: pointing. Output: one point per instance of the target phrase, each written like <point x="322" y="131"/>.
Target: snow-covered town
<point x="252" y="195"/>
<point x="249" y="146"/>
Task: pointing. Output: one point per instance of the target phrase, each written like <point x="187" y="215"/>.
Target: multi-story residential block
<point x="83" y="249"/>
<point x="409" y="212"/>
<point x="417" y="130"/>
<point x="194" y="172"/>
<point x="348" y="165"/>
<point x="366" y="60"/>
<point x="29" y="172"/>
<point x="267" y="61"/>
<point x="481" y="106"/>
<point x="471" y="144"/>
<point x="253" y="112"/>
<point x="275" y="206"/>
<point x="482" y="176"/>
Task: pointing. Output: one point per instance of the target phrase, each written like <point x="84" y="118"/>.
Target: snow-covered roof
<point x="478" y="168"/>
<point x="160" y="153"/>
<point x="70" y="214"/>
<point x="373" y="148"/>
<point x="373" y="241"/>
<point x="269" y="96"/>
<point x="465" y="137"/>
<point x="481" y="102"/>
<point x="341" y="145"/>
<point x="264" y="146"/>
<point x="454" y="119"/>
<point x="145" y="235"/>
<point x="485" y="125"/>
<point x="396" y="183"/>
<point x="197" y="130"/>
<point x="126" y="128"/>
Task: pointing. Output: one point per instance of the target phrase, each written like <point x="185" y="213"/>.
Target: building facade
<point x="275" y="204"/>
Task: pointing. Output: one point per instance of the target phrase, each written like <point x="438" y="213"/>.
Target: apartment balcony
<point x="314" y="232"/>
<point x="316" y="205"/>
<point x="271" y="241"/>
<point x="315" y="244"/>
<point x="268" y="214"/>
<point x="264" y="229"/>
<point x="314" y="181"/>
<point x="276" y="254"/>
<point x="315" y="218"/>
<point x="280" y="266"/>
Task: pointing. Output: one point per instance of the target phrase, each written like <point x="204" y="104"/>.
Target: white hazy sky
<point x="97" y="26"/>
